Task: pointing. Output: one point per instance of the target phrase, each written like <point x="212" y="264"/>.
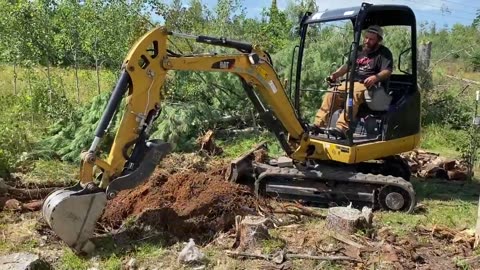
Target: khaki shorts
<point x="377" y="99"/>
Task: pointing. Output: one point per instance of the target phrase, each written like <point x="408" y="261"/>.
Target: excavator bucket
<point x="72" y="214"/>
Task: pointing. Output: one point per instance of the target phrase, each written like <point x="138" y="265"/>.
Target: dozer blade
<point x="72" y="214"/>
<point x="242" y="167"/>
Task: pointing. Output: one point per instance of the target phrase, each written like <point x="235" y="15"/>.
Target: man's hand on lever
<point x="370" y="81"/>
<point x="383" y="75"/>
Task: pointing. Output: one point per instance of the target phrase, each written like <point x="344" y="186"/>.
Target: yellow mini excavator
<point x="364" y="167"/>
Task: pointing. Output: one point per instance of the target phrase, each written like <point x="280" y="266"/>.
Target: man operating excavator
<point x="374" y="67"/>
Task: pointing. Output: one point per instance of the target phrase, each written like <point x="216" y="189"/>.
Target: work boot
<point x="338" y="133"/>
<point x="318" y="129"/>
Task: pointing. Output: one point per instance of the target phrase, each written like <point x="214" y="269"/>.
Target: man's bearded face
<point x="371" y="41"/>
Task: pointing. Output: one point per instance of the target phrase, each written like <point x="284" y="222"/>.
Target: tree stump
<point x="477" y="228"/>
<point x="347" y="220"/>
<point x="250" y="231"/>
<point x="207" y="143"/>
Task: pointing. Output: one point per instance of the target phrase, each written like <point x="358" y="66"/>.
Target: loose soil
<point x="186" y="204"/>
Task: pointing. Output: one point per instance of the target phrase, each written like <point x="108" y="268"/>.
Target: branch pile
<point x="431" y="165"/>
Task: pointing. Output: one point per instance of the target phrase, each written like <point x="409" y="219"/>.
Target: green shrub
<point x="69" y="136"/>
<point x="16" y="131"/>
<point x="475" y="61"/>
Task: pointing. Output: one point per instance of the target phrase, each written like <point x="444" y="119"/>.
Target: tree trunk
<point x="29" y="78"/>
<point x="76" y="75"/>
<point x="255" y="127"/>
<point x="424" y="55"/>
<point x="50" y="90"/>
<point x="97" y="70"/>
<point x="98" y="75"/>
<point x="15" y="77"/>
<point x="477" y="228"/>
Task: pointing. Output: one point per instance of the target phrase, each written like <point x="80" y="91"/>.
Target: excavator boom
<point x="72" y="212"/>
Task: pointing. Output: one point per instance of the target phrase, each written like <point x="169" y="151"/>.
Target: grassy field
<point x="62" y="80"/>
<point x="453" y="205"/>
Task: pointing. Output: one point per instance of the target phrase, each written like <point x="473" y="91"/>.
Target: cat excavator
<point x="363" y="168"/>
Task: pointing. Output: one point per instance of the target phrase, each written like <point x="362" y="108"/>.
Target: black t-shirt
<point x="369" y="64"/>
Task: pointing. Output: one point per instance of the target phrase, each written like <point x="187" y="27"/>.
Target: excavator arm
<point x="72" y="212"/>
<point x="144" y="74"/>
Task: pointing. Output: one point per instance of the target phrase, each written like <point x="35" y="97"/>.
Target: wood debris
<point x="454" y="236"/>
<point x="345" y="239"/>
<point x="207" y="143"/>
<point x="281" y="256"/>
<point x="431" y="165"/>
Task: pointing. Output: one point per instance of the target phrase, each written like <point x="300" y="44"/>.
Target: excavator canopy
<point x="383" y="15"/>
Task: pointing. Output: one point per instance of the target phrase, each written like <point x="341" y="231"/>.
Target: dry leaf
<point x="389" y="253"/>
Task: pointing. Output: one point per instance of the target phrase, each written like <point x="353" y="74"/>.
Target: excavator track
<point x="327" y="184"/>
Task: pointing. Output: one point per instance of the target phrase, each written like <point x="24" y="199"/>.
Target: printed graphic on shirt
<point x="365" y="64"/>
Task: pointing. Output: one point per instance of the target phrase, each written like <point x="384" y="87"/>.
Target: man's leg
<point x="325" y="112"/>
<point x="358" y="99"/>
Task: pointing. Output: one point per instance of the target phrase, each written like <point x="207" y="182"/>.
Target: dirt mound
<point x="186" y="204"/>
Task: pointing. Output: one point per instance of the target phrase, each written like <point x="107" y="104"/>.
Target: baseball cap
<point x="376" y="29"/>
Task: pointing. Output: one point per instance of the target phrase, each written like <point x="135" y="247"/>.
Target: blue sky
<point x="459" y="11"/>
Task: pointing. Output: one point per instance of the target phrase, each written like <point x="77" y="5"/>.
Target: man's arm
<point x="344" y="68"/>
<point x="384" y="74"/>
<point x="386" y="68"/>
<point x="339" y="72"/>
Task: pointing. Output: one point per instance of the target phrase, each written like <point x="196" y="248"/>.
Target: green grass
<point x="112" y="263"/>
<point x="236" y="146"/>
<point x="442" y="140"/>
<point x="111" y="257"/>
<point x="272" y="245"/>
<point x="449" y="205"/>
<point x="149" y="251"/>
<point x="63" y="80"/>
<point x="69" y="260"/>
<point x="52" y="171"/>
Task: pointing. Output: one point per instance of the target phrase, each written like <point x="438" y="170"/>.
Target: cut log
<point x="449" y="165"/>
<point x="251" y="231"/>
<point x="345" y="220"/>
<point x="13" y="205"/>
<point x="25" y="195"/>
<point x="457" y="175"/>
<point x="32" y="206"/>
<point x="477" y="229"/>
